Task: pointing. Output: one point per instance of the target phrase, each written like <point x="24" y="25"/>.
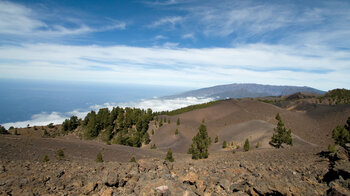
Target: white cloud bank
<point x="155" y="104"/>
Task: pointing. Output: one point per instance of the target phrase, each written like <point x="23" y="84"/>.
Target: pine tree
<point x="91" y="127"/>
<point x="246" y="145"/>
<point x="176" y="132"/>
<point x="216" y="139"/>
<point x="281" y="135"/>
<point x="146" y="138"/>
<point x="200" y="144"/>
<point x="178" y="121"/>
<point x="224" y="144"/>
<point x="169" y="156"/>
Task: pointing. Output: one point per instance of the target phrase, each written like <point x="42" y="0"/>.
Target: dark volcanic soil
<point x="304" y="169"/>
<point x="236" y="120"/>
<point x="296" y="170"/>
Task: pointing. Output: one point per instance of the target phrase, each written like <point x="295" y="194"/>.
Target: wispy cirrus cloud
<point x="172" y="21"/>
<point x="18" y="20"/>
<point x="159" y="37"/>
<point x="189" y="36"/>
<point x="240" y="17"/>
<point x="324" y="23"/>
<point x="167" y="2"/>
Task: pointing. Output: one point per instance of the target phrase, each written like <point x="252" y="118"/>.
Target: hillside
<point x="236" y="120"/>
<point x="306" y="168"/>
<point x="246" y="90"/>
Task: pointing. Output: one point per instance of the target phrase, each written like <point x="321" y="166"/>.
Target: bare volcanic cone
<point x="236" y="120"/>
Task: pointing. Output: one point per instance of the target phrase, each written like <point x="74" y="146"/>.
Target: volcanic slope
<point x="235" y="120"/>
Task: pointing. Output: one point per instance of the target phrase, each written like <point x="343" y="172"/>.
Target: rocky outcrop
<point x="338" y="175"/>
<point x="252" y="173"/>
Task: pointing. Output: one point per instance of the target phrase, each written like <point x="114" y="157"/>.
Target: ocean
<point x="24" y="100"/>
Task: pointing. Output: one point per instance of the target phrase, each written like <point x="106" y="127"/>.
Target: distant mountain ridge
<point x="246" y="90"/>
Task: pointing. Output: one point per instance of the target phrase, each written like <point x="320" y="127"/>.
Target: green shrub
<point x="3" y="130"/>
<point x="178" y="121"/>
<point x="133" y="160"/>
<point x="176" y="132"/>
<point x="99" y="158"/>
<point x="169" y="156"/>
<point x="233" y="151"/>
<point x="341" y="135"/>
<point x="224" y="144"/>
<point x="347" y="126"/>
<point x="46" y="134"/>
<point x="332" y="148"/>
<point x="49" y="125"/>
<point x="153" y="146"/>
<point x="281" y="135"/>
<point x="246" y="145"/>
<point x="152" y="132"/>
<point x="45" y="159"/>
<point x="216" y="139"/>
<point x="60" y="154"/>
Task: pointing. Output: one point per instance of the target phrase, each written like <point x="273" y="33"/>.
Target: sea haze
<point x="21" y="99"/>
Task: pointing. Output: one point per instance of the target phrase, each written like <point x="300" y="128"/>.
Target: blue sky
<point x="192" y="43"/>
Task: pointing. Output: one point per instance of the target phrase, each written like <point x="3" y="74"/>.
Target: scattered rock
<point x="162" y="189"/>
<point x="225" y="184"/>
<point x="90" y="186"/>
<point x="107" y="192"/>
<point x="60" y="174"/>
